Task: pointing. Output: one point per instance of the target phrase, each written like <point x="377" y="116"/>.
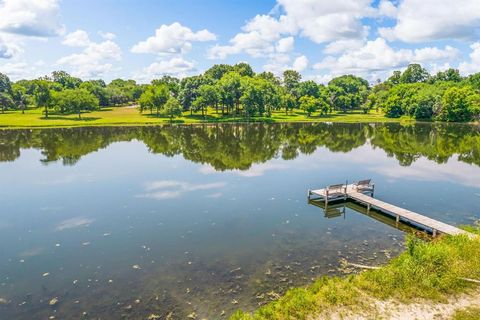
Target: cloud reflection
<point x="256" y="170"/>
<point x="169" y="189"/>
<point x="74" y="223"/>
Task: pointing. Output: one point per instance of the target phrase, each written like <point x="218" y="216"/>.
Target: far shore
<point x="130" y="116"/>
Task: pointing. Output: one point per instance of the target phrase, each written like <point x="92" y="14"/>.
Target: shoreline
<point x="130" y="117"/>
<point x="423" y="277"/>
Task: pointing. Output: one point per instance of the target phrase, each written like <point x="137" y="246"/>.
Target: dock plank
<point x="404" y="214"/>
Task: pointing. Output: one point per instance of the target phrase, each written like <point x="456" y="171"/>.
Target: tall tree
<point x="66" y="80"/>
<point x="243" y="69"/>
<point x="291" y="79"/>
<point x="172" y="108"/>
<point x="347" y="92"/>
<point x="414" y="73"/>
<point x="42" y="95"/>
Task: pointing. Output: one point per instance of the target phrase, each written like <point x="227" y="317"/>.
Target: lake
<point x="198" y="221"/>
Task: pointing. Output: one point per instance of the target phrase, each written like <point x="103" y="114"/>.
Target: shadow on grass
<point x="55" y="117"/>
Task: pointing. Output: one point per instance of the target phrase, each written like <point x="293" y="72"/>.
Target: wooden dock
<point x="365" y="196"/>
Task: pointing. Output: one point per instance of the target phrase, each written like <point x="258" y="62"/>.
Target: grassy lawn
<point x="426" y="270"/>
<point x="131" y="116"/>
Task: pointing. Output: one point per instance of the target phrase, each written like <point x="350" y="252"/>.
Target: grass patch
<point x="472" y="313"/>
<point x="428" y="270"/>
<point x="123" y="116"/>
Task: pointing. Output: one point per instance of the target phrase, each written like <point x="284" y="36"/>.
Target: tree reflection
<point x="238" y="146"/>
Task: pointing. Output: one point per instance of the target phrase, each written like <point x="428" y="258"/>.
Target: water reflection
<point x="209" y="218"/>
<point x="338" y="209"/>
<point x="239" y="146"/>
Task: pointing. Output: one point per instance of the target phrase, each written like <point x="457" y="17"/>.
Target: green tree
<point x="172" y="108"/>
<point x="99" y="89"/>
<point x="447" y="75"/>
<point x="270" y="77"/>
<point x="6" y="101"/>
<point x="347" y="92"/>
<point x="308" y="88"/>
<point x="414" y="73"/>
<point x="42" y="95"/>
<point x="5" y="84"/>
<point x="460" y="104"/>
<point x="211" y="96"/>
<point x="291" y="79"/>
<point x="20" y="97"/>
<point x="155" y="96"/>
<point x="395" y="77"/>
<point x="75" y="101"/>
<point x="309" y="104"/>
<point x="66" y="80"/>
<point x="230" y="90"/>
<point x="289" y="102"/>
<point x="189" y="90"/>
<point x="172" y="83"/>
<point x="217" y="71"/>
<point x="243" y="69"/>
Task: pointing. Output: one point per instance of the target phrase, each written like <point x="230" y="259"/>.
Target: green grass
<point x="472" y="313"/>
<point x="120" y="116"/>
<point x="426" y="270"/>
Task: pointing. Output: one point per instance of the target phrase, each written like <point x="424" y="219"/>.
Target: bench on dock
<point x="336" y="190"/>
<point x="364" y="186"/>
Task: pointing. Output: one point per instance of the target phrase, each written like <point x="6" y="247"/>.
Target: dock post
<point x="398" y="218"/>
<point x="434" y="232"/>
<point x="368" y="207"/>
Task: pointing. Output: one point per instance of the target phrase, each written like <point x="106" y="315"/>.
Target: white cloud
<point x="173" y="38"/>
<point x="169" y="189"/>
<point x="325" y="21"/>
<point x="340" y="46"/>
<point x="472" y="66"/>
<point x="300" y="63"/>
<point x="285" y="45"/>
<point x="176" y="66"/>
<point x="281" y="62"/>
<point x="77" y="38"/>
<point x="19" y="70"/>
<point x="107" y="35"/>
<point x="376" y="58"/>
<point x="95" y="60"/>
<point x="387" y="8"/>
<point x="8" y="47"/>
<point x="258" y="38"/>
<point x="38" y="18"/>
<point x="426" y="20"/>
<point x="375" y="55"/>
<point x="433" y="53"/>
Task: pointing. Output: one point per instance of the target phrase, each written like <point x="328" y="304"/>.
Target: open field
<point x="121" y="116"/>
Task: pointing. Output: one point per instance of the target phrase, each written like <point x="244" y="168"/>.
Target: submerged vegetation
<point x="237" y="93"/>
<point x="426" y="270"/>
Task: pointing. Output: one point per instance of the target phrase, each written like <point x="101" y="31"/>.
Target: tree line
<point x="236" y="90"/>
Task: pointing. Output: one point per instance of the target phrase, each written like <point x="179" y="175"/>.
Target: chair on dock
<point x="336" y="190"/>
<point x="364" y="186"/>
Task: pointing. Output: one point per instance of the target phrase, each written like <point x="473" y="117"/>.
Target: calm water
<point x="123" y="223"/>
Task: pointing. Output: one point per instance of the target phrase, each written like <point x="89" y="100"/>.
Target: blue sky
<point x="320" y="38"/>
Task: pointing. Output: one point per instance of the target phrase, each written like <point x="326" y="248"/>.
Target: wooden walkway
<point x="351" y="192"/>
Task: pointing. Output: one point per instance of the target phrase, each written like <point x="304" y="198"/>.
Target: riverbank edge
<point x="207" y="122"/>
<point x="432" y="272"/>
